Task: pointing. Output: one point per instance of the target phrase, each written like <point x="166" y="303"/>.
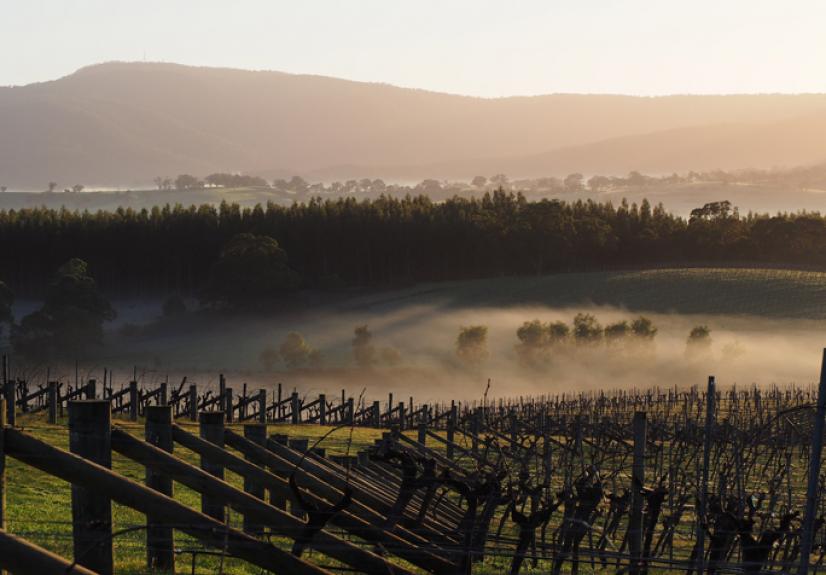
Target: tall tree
<point x="71" y="319"/>
<point x="250" y="272"/>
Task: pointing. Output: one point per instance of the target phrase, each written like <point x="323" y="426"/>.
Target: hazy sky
<point x="477" y="47"/>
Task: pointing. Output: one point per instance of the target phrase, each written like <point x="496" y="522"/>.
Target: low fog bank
<point x="677" y="199"/>
<point x="415" y="352"/>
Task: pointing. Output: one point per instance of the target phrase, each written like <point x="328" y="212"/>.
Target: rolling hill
<point x="125" y="123"/>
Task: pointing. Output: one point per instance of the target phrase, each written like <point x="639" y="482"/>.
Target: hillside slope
<point x="125" y="123"/>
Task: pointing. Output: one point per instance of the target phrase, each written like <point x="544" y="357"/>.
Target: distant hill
<point x="125" y="123"/>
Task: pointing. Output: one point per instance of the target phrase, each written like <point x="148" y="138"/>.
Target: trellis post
<point x="807" y="531"/>
<point x="91" y="389"/>
<point x="262" y="407"/>
<point x="53" y="397"/>
<point x="133" y="400"/>
<point x="451" y="429"/>
<point x="193" y="402"/>
<point x="637" y="497"/>
<point x="296" y="408"/>
<point x="322" y="409"/>
<point x="711" y="397"/>
<point x="228" y="404"/>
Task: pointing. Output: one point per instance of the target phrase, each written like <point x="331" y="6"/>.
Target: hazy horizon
<point x="410" y="87"/>
<point x="636" y="47"/>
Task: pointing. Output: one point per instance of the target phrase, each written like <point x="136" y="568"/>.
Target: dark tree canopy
<point x="187" y="182"/>
<point x="173" y="306"/>
<point x="396" y="241"/>
<point x="71" y="319"/>
<point x="250" y="272"/>
<point x="6" y="299"/>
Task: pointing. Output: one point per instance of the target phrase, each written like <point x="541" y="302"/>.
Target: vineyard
<point x="98" y="477"/>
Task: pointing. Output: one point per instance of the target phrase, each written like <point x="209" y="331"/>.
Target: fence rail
<point x="700" y="481"/>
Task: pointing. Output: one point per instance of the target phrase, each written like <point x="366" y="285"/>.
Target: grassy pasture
<point x="39" y="505"/>
<point x="775" y="293"/>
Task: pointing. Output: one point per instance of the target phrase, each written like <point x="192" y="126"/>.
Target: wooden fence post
<point x="422" y="433"/>
<point x="211" y="424"/>
<point x="277" y="499"/>
<point x="160" y="541"/>
<point x="8" y="391"/>
<point x="193" y="402"/>
<point x="163" y="398"/>
<point x="401" y="416"/>
<point x="228" y="402"/>
<point x="262" y="406"/>
<point x="257" y="433"/>
<point x="637" y="497"/>
<point x="350" y="411"/>
<point x="133" y="400"/>
<point x="451" y="429"/>
<point x="90" y="431"/>
<point x="322" y="409"/>
<point x="296" y="408"/>
<point x="278" y="398"/>
<point x="54" y="394"/>
<point x="377" y="414"/>
<point x="807" y="531"/>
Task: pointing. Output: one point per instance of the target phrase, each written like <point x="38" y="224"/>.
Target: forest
<point x="391" y="242"/>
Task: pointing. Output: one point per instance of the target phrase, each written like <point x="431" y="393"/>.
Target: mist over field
<point x="745" y="350"/>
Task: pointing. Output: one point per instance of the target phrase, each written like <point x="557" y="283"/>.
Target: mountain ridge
<point x="125" y="123"/>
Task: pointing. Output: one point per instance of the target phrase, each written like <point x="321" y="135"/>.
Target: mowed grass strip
<point x="777" y="293"/>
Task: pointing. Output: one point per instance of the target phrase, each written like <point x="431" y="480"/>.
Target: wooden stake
<point x="90" y="428"/>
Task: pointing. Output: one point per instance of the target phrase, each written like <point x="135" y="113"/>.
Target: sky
<point x="476" y="47"/>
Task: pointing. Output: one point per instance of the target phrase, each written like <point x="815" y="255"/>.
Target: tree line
<point x="387" y="241"/>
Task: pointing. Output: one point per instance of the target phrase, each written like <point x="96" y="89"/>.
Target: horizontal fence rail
<point x="702" y="481"/>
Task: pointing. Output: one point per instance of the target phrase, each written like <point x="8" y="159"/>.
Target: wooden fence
<point x="694" y="481"/>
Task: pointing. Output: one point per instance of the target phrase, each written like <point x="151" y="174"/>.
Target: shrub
<point x="700" y="335"/>
<point x="642" y="327"/>
<point x="615" y="332"/>
<point x="558" y="331"/>
<point x="587" y="329"/>
<point x="532" y="334"/>
<point x="472" y="344"/>
<point x="363" y="350"/>
<point x="294" y="350"/>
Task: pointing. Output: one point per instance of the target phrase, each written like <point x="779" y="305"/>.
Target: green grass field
<point x="774" y="293"/>
<point x="39" y="505"/>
